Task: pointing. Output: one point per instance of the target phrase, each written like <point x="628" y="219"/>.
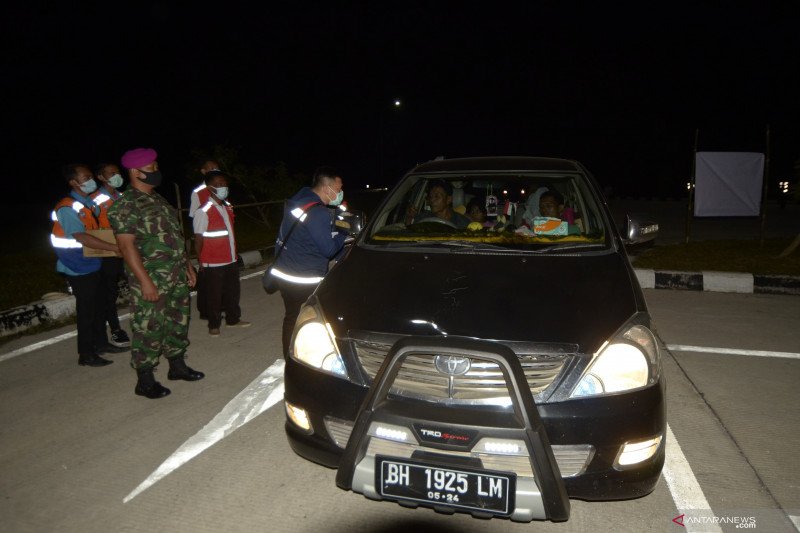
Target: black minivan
<point x="483" y="347"/>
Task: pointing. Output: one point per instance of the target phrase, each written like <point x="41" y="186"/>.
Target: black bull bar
<point x="525" y="425"/>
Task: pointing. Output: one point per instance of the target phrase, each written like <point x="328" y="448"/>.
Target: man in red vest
<point x="216" y="252"/>
<point x="197" y="200"/>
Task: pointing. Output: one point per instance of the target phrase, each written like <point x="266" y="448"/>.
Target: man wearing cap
<point x="149" y="234"/>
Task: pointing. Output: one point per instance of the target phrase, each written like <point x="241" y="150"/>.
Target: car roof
<point x="511" y="163"/>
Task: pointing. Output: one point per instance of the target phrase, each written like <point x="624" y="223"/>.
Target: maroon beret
<point x="138" y="157"/>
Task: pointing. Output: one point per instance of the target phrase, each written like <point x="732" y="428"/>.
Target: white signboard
<point x="728" y="184"/>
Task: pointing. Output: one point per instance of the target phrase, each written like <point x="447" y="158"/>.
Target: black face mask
<point x="151" y="178"/>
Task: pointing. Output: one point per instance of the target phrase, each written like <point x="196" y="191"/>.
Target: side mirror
<point x="639" y="229"/>
<point x="351" y="221"/>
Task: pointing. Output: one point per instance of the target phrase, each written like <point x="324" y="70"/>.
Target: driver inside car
<point x="440" y="200"/>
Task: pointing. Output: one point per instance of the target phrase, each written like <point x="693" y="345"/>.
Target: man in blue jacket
<point x="310" y="240"/>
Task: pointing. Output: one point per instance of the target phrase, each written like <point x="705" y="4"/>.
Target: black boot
<point x="147" y="385"/>
<point x="179" y="370"/>
<point x="92" y="360"/>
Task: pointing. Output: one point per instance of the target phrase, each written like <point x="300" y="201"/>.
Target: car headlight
<point x="314" y="343"/>
<point x="628" y="361"/>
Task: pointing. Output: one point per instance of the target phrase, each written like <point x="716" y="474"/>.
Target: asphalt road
<point x="80" y="452"/>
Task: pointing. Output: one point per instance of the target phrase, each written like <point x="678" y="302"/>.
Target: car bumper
<point x="604" y="423"/>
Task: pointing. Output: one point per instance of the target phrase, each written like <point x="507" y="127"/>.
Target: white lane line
<point x="261" y="394"/>
<point x="683" y="485"/>
<point x="65" y="336"/>
<point x="796" y="521"/>
<point x="35" y="346"/>
<point x="253" y="274"/>
<point x="731" y="351"/>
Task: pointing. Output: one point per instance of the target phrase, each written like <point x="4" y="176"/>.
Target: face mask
<point x="221" y="192"/>
<point x="89" y="186"/>
<point x="151" y="178"/>
<point x="115" y="181"/>
<point x="338" y="200"/>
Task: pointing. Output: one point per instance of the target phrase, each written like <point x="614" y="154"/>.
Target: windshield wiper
<point x="568" y="246"/>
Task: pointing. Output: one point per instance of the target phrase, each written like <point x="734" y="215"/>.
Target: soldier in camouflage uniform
<point x="148" y="231"/>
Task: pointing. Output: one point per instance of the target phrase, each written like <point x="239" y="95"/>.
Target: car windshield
<point x="491" y="211"/>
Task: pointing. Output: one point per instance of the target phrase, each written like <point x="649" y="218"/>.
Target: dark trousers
<point x="110" y="272"/>
<point x="89" y="304"/>
<point x="220" y="292"/>
<point x="294" y="296"/>
<point x="200" y="287"/>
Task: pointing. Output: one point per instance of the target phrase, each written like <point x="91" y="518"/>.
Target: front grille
<point x="484" y="383"/>
<point x="572" y="459"/>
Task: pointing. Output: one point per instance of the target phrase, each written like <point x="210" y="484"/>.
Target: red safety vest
<point x="217" y="239"/>
<point x="203" y="194"/>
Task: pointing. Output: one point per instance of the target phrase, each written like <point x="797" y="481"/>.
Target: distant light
<point x="397" y="103"/>
<point x="522" y="191"/>
<point x="505" y="191"/>
<point x="367" y="185"/>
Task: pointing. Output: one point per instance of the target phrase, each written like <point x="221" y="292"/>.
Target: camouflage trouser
<point x="162" y="327"/>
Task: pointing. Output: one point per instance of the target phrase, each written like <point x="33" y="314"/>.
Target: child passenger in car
<point x="476" y="211"/>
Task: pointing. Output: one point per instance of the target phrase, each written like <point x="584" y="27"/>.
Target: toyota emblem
<point x="452" y="365"/>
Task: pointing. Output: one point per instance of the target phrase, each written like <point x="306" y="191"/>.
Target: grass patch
<point x="723" y="255"/>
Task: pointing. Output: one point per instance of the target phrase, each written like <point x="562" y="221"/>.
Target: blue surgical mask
<point x="221" y="192"/>
<point x="88" y="186"/>
<point x="115" y="181"/>
<point x="338" y="200"/>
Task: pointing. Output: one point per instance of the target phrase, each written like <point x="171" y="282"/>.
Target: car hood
<point x="579" y="300"/>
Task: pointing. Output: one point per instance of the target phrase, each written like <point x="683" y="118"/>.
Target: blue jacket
<point x="313" y="242"/>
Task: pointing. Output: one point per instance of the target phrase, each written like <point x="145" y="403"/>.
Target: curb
<point x="711" y="281"/>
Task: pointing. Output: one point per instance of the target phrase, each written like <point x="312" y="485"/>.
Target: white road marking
<point x="69" y="335"/>
<point x="267" y="390"/>
<point x="683" y="485"/>
<point x="731" y="351"/>
<point x="253" y="274"/>
<point x="261" y="394"/>
<point x="35" y="346"/>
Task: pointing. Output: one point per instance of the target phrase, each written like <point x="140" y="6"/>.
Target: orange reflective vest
<point x="103" y="201"/>
<point x="69" y="250"/>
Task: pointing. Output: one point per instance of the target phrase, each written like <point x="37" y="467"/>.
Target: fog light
<point x="390" y="432"/>
<point x="298" y="416"/>
<point x="501" y="447"/>
<point x="636" y="452"/>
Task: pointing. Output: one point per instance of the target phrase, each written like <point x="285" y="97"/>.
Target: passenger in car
<point x="532" y="207"/>
<point x="440" y="200"/>
<point x="476" y="211"/>
<point x="551" y="204"/>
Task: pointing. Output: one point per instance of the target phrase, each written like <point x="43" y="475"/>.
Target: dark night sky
<point x="620" y="90"/>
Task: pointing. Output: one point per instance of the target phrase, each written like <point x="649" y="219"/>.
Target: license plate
<point x="465" y="488"/>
